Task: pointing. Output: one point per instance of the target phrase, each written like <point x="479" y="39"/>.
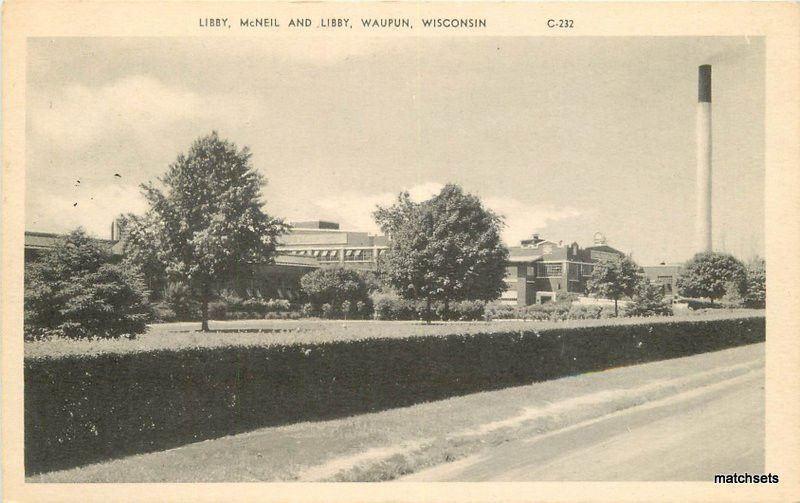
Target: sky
<point x="561" y="136"/>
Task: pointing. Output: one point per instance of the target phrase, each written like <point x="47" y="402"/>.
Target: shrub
<point x="586" y="312"/>
<point x="710" y="274"/>
<point x="465" y="310"/>
<point x="328" y="311"/>
<point x="283" y="315"/>
<point x="277" y="306"/>
<point x="307" y="310"/>
<point x="75" y="291"/>
<point x="75" y="414"/>
<point x="179" y="298"/>
<point x="389" y="306"/>
<point x="362" y="310"/>
<point x="217" y="310"/>
<point x="497" y="311"/>
<point x="756" y="292"/>
<point x="346" y="309"/>
<point x="552" y="311"/>
<point x="162" y="313"/>
<point x="232" y="300"/>
<point x="334" y="285"/>
<point x="648" y="301"/>
<point x="254" y="305"/>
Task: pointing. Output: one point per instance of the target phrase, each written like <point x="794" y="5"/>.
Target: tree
<point x="756" y="290"/>
<point x="648" y="300"/>
<point x="140" y="245"/>
<point x="446" y="248"/>
<point x="613" y="278"/>
<point x="75" y="290"/>
<point x="208" y="218"/>
<point x="711" y="275"/>
<point x="335" y="286"/>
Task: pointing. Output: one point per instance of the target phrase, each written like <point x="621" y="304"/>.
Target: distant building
<point x="37" y="243"/>
<point x="280" y="280"/>
<point x="539" y="269"/>
<point x="327" y="244"/>
<point x="664" y="275"/>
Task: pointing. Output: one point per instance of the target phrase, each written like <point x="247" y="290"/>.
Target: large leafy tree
<point x="76" y="290"/>
<point x="207" y="217"/>
<point x="443" y="249"/>
<point x="614" y="278"/>
<point x="711" y="275"/>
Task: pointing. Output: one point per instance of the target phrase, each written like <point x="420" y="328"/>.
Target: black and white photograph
<point x="387" y="259"/>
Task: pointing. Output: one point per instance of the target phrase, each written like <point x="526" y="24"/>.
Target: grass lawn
<point x="176" y="336"/>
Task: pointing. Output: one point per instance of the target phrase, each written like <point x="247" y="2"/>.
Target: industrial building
<point x="326" y="243"/>
<point x="539" y="270"/>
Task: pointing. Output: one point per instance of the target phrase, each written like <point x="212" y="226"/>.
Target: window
<point x="328" y="256"/>
<point x="531" y="271"/>
<point x="574" y="270"/>
<point x="551" y="270"/>
<point x="586" y="269"/>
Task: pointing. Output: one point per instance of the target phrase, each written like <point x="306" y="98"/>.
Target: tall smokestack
<point x="703" y="228"/>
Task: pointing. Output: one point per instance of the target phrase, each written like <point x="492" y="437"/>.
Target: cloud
<point x="132" y="107"/>
<point x="523" y="219"/>
<point x="354" y="211"/>
<point x="92" y="209"/>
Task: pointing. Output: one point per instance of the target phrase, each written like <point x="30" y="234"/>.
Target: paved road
<point x="690" y="436"/>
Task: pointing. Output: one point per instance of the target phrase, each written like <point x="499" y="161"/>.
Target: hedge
<point x="81" y="409"/>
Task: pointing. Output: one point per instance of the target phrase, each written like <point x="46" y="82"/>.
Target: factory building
<point x="539" y="269"/>
<point x="279" y="280"/>
<point x="326" y="243"/>
<point x="664" y="275"/>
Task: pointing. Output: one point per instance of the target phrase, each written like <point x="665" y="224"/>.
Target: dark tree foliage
<point x="140" y="245"/>
<point x="712" y="275"/>
<point x="207" y="218"/>
<point x="443" y="249"/>
<point x="756" y="295"/>
<point x="648" y="300"/>
<point x="334" y="286"/>
<point x="75" y="291"/>
<point x="614" y="278"/>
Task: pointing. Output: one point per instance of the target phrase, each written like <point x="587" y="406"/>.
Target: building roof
<point x="604" y="248"/>
<point x="315" y="224"/>
<point x="296" y="261"/>
<point x="47" y="240"/>
<point x="524" y="254"/>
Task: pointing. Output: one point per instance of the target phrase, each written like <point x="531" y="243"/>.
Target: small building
<point x="664" y="275"/>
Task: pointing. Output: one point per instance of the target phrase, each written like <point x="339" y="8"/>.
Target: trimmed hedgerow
<point x="393" y="307"/>
<point x="81" y="409"/>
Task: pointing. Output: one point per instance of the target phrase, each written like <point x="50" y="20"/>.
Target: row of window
<point x="555" y="270"/>
<point x="334" y="255"/>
